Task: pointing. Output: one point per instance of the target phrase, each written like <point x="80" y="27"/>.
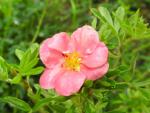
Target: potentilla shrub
<point x="98" y="68"/>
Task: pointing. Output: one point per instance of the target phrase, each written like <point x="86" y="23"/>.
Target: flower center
<point x="72" y="61"/>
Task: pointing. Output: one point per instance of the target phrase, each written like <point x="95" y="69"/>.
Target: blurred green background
<point x="23" y="22"/>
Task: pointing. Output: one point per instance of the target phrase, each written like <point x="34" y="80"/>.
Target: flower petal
<point x="49" y="57"/>
<point x="85" y="39"/>
<point x="59" y="42"/>
<point x="95" y="73"/>
<point x="69" y="83"/>
<point x="98" y="58"/>
<point x="47" y="79"/>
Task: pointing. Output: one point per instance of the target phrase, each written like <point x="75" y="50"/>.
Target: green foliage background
<point x="122" y="25"/>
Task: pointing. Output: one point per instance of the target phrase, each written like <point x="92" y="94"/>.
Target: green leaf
<point x="35" y="71"/>
<point x="105" y="13"/>
<point x="41" y="103"/>
<point x="29" y="56"/>
<point x="27" y="67"/>
<point x="89" y="106"/>
<point x="99" y="106"/>
<point x="116" y="25"/>
<point x="145" y="92"/>
<point x="94" y="23"/>
<point x="19" y="53"/>
<point x="121" y="109"/>
<point x="45" y="101"/>
<point x="142" y="83"/>
<point x="88" y="83"/>
<point x="16" y="79"/>
<point x="58" y="108"/>
<point x="118" y="71"/>
<point x="29" y="60"/>
<point x="70" y="110"/>
<point x="31" y="53"/>
<point x="18" y="103"/>
<point x="3" y="69"/>
<point x="96" y="13"/>
<point x="98" y="93"/>
<point x="120" y="13"/>
<point x="105" y="32"/>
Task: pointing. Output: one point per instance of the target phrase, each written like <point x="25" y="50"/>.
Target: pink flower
<point x="71" y="61"/>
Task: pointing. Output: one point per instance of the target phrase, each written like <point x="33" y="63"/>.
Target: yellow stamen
<point x="72" y="61"/>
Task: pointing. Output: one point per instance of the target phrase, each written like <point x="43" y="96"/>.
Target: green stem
<point x="74" y="12"/>
<point x="39" y="25"/>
